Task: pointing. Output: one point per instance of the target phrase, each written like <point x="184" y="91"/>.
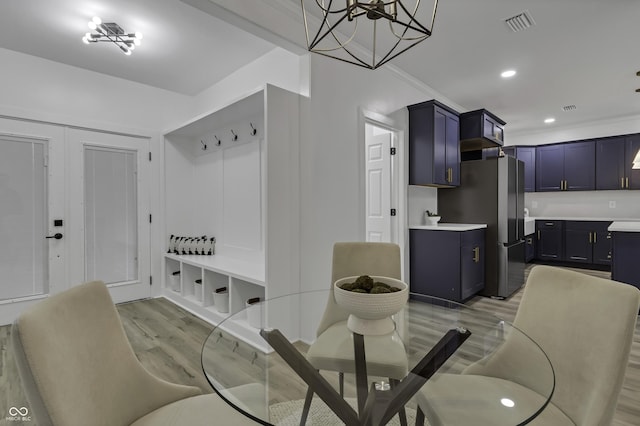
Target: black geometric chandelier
<point x="112" y="32"/>
<point x="334" y="27"/>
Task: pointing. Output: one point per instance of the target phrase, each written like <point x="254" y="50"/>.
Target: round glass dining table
<point x="463" y="367"/>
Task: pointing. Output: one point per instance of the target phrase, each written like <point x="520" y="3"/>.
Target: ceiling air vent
<point x="520" y="22"/>
<point x="568" y="108"/>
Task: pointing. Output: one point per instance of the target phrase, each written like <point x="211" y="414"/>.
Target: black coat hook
<point x="253" y="129"/>
<point x="204" y="145"/>
<point x="218" y="140"/>
<point x="235" y="137"/>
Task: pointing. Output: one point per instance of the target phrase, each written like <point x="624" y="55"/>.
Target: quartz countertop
<point x="623" y="226"/>
<point x="450" y="227"/>
<point x="597" y="219"/>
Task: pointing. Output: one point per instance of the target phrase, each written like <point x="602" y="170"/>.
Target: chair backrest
<point x="77" y="366"/>
<point x="355" y="259"/>
<point x="585" y="325"/>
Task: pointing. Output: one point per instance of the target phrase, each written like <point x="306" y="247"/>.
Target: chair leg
<point x="402" y="413"/>
<point x="419" y="417"/>
<point x="341" y="383"/>
<point x="306" y="407"/>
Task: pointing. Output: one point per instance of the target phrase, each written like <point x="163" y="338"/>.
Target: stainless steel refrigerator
<point x="492" y="192"/>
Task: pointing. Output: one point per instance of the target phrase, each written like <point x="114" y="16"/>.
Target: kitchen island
<point x="625" y="252"/>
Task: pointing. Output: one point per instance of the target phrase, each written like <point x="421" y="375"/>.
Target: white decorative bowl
<point x="370" y="314"/>
<point x="432" y="220"/>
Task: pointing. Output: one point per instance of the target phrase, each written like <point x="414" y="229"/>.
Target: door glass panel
<point x="111" y="212"/>
<point x="24" y="261"/>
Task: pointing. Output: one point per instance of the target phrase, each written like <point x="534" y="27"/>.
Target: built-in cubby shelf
<point x="233" y="174"/>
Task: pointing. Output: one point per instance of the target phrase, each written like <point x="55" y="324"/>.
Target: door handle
<point x="57" y="236"/>
<point x="595" y="237"/>
<point x="627" y="180"/>
<point x="622" y="182"/>
<point x="590" y="237"/>
<point x="476" y="254"/>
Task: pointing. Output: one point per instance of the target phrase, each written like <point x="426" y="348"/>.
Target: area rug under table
<point x="288" y="414"/>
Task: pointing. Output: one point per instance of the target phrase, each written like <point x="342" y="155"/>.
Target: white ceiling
<point x="581" y="52"/>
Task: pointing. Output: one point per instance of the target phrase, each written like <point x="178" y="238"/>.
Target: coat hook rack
<point x="218" y="141"/>
<point x="235" y="137"/>
<point x="253" y="129"/>
<point x="204" y="145"/>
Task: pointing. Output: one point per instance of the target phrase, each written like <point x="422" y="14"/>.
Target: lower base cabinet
<point x="530" y="248"/>
<point x="447" y="264"/>
<point x="626" y="253"/>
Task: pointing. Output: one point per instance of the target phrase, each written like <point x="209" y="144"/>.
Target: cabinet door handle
<point x="476" y="254"/>
<point x="627" y="179"/>
<point x="590" y="237"/>
<point x="595" y="237"/>
<point x="622" y="182"/>
<point x="538" y="235"/>
<point x="608" y="235"/>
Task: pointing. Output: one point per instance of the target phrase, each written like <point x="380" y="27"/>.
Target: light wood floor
<point x="168" y="341"/>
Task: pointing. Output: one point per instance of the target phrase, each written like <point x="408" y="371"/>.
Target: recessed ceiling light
<point x="549" y="120"/>
<point x="508" y="73"/>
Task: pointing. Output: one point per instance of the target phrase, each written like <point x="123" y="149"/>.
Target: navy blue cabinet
<point x="610" y="163"/>
<point x="434" y="145"/>
<point x="587" y="242"/>
<point x="566" y="167"/>
<point x="550" y="240"/>
<point x="480" y="129"/>
<point x="602" y="246"/>
<point x="530" y="248"/>
<point x="447" y="264"/>
<point x="625" y="253"/>
<point x="526" y="154"/>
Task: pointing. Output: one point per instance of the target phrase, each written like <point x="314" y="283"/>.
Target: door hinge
<point x="150" y="218"/>
<point x="393" y="212"/>
<point x="393" y="150"/>
<point x="149" y="155"/>
<point x="150" y="280"/>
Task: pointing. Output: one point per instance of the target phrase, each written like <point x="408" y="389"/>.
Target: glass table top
<point x="452" y="363"/>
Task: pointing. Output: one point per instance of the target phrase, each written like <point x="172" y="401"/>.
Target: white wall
<point x="278" y="67"/>
<point x="332" y="178"/>
<point x="39" y="89"/>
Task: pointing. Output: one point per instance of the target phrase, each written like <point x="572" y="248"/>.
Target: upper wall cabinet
<point x="480" y="129"/>
<point x="526" y="154"/>
<point x="566" y="167"/>
<point x="614" y="158"/>
<point x="434" y="150"/>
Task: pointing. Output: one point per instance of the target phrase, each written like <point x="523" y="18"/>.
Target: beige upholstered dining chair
<point x="333" y="348"/>
<point x="78" y="368"/>
<point x="584" y="324"/>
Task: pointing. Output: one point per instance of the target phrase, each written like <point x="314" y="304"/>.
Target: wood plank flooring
<point x="168" y="342"/>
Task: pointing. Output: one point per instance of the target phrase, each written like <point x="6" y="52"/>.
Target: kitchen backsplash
<point x="588" y="204"/>
<point x="420" y="199"/>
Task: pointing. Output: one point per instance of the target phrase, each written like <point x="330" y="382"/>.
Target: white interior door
<point x="108" y="177"/>
<point x="378" y="184"/>
<point x="32" y="266"/>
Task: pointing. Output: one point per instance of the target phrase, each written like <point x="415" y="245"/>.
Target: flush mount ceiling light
<point x="508" y="73"/>
<point x="112" y="32"/>
<point x="549" y="120"/>
<point x="383" y="29"/>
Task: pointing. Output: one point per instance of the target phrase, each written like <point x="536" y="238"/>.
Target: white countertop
<point x="620" y="226"/>
<point x="450" y="227"/>
<point x="597" y="219"/>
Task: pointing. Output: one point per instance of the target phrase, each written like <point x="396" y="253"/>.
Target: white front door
<point x="73" y="208"/>
<point x="31" y="177"/>
<point x="378" y="184"/>
<point x="108" y="177"/>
